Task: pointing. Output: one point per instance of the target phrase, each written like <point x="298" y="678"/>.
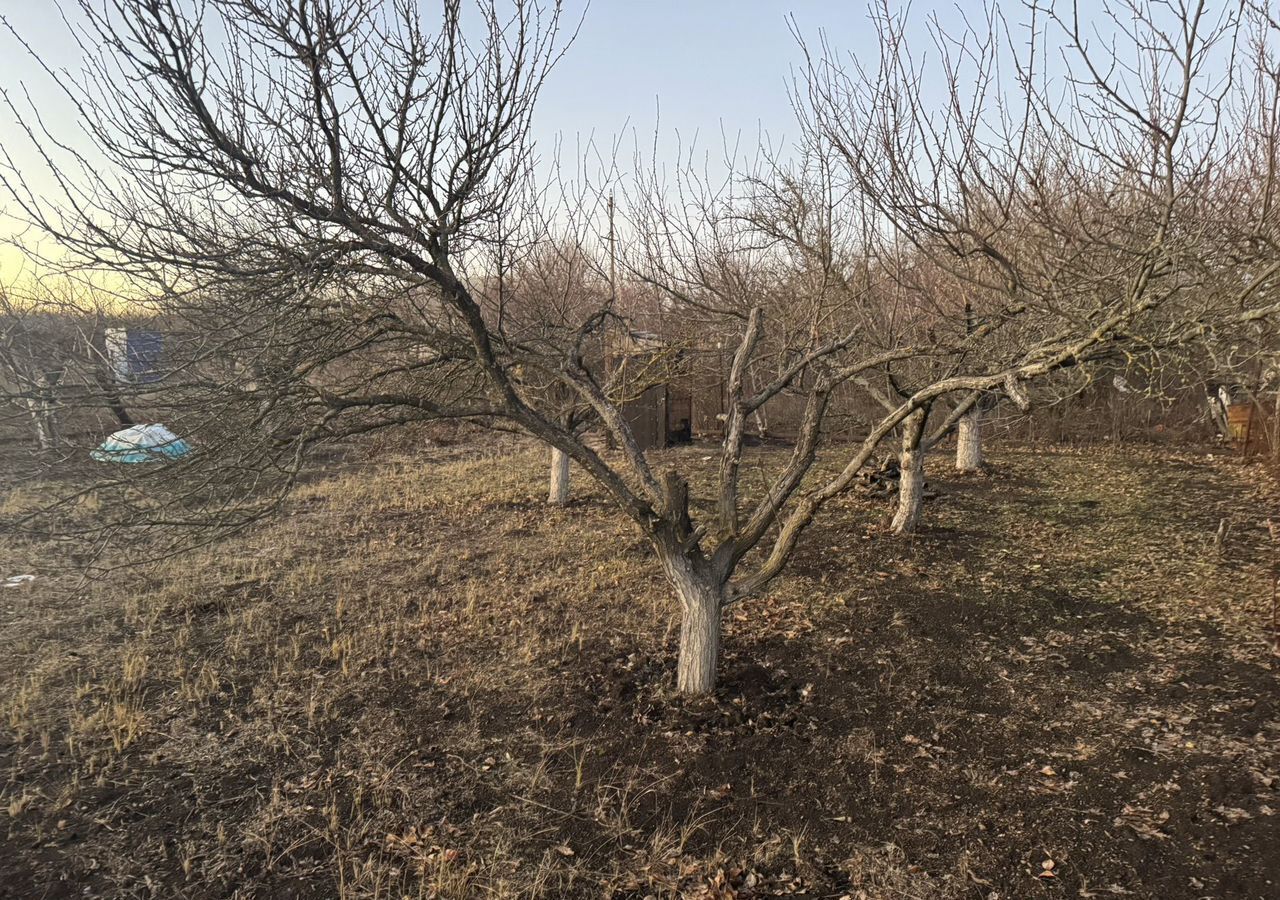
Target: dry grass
<point x="422" y="682"/>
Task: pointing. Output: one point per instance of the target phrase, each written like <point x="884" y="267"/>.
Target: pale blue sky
<point x="710" y="67"/>
<point x="706" y="64"/>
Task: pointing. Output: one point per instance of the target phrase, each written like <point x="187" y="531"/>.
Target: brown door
<point x="646" y="416"/>
<point x="679" y="417"/>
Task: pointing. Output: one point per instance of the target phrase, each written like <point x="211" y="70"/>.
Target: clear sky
<point x="705" y="67"/>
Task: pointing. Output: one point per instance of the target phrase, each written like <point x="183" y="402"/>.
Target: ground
<point x="419" y="681"/>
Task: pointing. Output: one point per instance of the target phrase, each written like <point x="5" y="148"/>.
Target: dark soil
<point x="423" y="683"/>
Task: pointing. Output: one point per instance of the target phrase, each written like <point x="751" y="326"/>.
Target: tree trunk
<point x="699" y="639"/>
<point x="559" y="493"/>
<point x="911" y="475"/>
<point x="969" y="442"/>
<point x="762" y="423"/>
<point x="105" y="375"/>
<point x="45" y="424"/>
<point x="44" y="412"/>
<point x="701" y="601"/>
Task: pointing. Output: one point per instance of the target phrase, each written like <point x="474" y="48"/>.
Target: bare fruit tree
<point x="30" y="367"/>
<point x="55" y="360"/>
<point x="316" y="196"/>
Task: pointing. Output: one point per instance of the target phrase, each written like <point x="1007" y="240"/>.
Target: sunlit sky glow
<point x="714" y="70"/>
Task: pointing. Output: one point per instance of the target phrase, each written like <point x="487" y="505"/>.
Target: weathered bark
<point x="701" y="598"/>
<point x="969" y="442"/>
<point x="558" y="495"/>
<point x="701" y="603"/>
<point x="911" y="480"/>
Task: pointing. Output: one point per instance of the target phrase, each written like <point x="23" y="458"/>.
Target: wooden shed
<point x="661" y="415"/>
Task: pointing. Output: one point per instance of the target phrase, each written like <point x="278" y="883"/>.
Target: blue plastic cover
<point x="140" y="444"/>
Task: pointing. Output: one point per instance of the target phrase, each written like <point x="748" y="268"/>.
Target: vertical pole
<point x="613" y="261"/>
<point x="720" y="375"/>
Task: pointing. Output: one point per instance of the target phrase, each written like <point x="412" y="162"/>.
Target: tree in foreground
<point x="319" y="197"/>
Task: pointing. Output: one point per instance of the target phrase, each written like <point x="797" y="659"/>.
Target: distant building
<point x="135" y="354"/>
<point x="660" y="413"/>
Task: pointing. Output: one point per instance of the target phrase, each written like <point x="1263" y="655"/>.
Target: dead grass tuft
<point x="421" y="682"/>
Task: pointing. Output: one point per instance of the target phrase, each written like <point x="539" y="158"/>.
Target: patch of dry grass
<point x="420" y="681"/>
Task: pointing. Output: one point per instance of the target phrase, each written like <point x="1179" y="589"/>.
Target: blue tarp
<point x="141" y="443"/>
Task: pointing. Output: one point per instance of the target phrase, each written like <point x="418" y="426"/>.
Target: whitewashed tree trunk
<point x="701" y="602"/>
<point x="42" y="424"/>
<point x="911" y="475"/>
<point x="762" y="422"/>
<point x="45" y="422"/>
<point x="699" y="638"/>
<point x="558" y="495"/>
<point x="969" y="442"/>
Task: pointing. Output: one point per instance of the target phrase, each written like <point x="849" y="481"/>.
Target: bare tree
<point x="314" y="194"/>
<point x="54" y="362"/>
<point x="31" y="367"/>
